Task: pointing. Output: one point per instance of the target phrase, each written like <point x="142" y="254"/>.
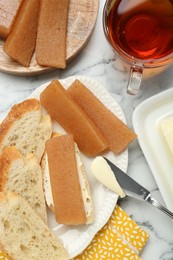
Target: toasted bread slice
<point x="26" y="128"/>
<point x="72" y="201"/>
<point x="24" y="177"/>
<point x="23" y="233"/>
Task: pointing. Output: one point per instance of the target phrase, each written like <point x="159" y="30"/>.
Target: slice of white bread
<point x="26" y="128"/>
<point x="24" y="236"/>
<point x="24" y="177"/>
<point x="65" y="182"/>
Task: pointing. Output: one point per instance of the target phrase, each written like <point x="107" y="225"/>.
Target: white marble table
<point x="97" y="61"/>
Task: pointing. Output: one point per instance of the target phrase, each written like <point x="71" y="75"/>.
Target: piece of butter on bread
<point x="103" y="173"/>
<point x="46" y="183"/>
<point x="166" y="128"/>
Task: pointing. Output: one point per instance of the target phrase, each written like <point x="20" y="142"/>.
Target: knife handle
<point x="155" y="203"/>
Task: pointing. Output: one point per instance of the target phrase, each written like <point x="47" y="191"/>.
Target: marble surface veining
<point x="98" y="61"/>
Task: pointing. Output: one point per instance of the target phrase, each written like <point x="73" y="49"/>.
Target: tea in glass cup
<point x="141" y="32"/>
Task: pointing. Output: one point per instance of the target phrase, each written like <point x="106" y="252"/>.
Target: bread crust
<point x="26" y="128"/>
<point x="3" y="198"/>
<point x="9" y="154"/>
<point x="3" y="250"/>
<point x="15" y="113"/>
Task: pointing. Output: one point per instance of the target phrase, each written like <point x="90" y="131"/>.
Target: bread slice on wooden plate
<point x="24" y="177"/>
<point x="26" y="128"/>
<point x="66" y="184"/>
<point x="24" y="236"/>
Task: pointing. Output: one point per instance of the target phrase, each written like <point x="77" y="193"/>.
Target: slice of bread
<point x="65" y="182"/>
<point x="24" y="177"/>
<point x="24" y="235"/>
<point x="26" y="128"/>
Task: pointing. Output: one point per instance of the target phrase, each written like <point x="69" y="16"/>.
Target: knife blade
<point x="134" y="189"/>
<point x="131" y="187"/>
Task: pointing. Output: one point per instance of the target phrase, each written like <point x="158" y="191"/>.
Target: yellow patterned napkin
<point x="2" y="256"/>
<point x="120" y="239"/>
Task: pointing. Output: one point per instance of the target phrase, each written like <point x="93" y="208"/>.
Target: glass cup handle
<point x="135" y="79"/>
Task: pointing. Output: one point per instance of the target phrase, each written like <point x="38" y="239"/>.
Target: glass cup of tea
<point x="141" y="34"/>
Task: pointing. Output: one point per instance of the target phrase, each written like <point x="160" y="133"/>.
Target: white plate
<point x="146" y="118"/>
<point x="76" y="239"/>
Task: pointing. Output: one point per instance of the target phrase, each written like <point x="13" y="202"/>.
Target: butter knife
<point x="134" y="189"/>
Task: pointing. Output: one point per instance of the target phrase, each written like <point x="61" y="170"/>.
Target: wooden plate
<point x="81" y="22"/>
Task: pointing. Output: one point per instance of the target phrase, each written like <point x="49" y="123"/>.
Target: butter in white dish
<point x="103" y="173"/>
<point x="166" y="129"/>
